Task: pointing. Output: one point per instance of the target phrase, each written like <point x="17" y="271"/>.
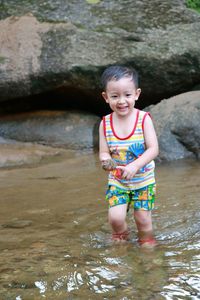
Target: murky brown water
<point x="55" y="240"/>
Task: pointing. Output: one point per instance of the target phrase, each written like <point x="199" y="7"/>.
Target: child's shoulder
<point x="144" y="113"/>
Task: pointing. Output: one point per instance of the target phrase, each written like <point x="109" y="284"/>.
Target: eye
<point x="128" y="95"/>
<point x="114" y="96"/>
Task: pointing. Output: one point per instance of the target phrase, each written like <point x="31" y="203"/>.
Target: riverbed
<point x="55" y="240"/>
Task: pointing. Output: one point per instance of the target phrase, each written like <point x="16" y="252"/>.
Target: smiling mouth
<point x="123" y="107"/>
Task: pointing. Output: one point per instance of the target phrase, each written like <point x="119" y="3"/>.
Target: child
<point x="127" y="145"/>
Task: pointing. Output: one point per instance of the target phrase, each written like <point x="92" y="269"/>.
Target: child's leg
<point x="117" y="219"/>
<point x="143" y="220"/>
<point x="145" y="229"/>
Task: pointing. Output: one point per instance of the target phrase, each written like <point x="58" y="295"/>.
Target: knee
<point x="143" y="219"/>
<point x="116" y="221"/>
<point x="117" y="217"/>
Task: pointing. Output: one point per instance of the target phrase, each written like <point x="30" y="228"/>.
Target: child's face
<point x="121" y="95"/>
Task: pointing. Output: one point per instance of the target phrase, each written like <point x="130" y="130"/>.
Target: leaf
<point x="92" y="1"/>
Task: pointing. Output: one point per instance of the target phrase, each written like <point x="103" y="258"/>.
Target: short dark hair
<point x="117" y="72"/>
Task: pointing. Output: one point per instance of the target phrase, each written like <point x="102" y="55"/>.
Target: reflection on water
<point x="55" y="240"/>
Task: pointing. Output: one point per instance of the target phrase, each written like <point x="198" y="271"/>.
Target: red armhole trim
<point x="146" y="114"/>
<point x="104" y="126"/>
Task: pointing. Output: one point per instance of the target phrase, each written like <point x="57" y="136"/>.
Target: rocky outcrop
<point x="68" y="130"/>
<point x="66" y="44"/>
<point x="62" y="47"/>
<point x="177" y="123"/>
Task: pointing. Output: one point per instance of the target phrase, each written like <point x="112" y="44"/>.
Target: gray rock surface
<point x="52" y="44"/>
<point x="177" y="123"/>
<point x="69" y="130"/>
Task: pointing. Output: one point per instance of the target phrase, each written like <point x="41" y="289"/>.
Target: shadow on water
<point x="55" y="240"/>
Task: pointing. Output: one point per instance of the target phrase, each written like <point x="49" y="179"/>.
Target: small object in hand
<point x="108" y="164"/>
<point x="117" y="173"/>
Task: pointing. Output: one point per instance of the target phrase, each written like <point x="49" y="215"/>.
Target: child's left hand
<point x="128" y="171"/>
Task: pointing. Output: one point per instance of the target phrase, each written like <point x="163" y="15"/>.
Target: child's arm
<point x="104" y="153"/>
<point x="150" y="153"/>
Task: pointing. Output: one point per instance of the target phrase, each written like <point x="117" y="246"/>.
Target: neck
<point x="126" y="117"/>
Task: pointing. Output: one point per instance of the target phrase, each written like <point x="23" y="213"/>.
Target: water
<point x="55" y="240"/>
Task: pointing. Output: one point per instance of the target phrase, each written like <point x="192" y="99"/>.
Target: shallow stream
<point x="55" y="240"/>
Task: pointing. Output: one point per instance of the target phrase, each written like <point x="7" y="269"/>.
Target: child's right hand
<point x="128" y="171"/>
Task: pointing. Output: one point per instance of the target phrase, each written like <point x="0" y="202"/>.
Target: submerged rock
<point x="17" y="224"/>
<point x="20" y="154"/>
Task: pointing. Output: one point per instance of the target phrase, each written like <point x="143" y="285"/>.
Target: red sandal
<point x="147" y="242"/>
<point x="123" y="236"/>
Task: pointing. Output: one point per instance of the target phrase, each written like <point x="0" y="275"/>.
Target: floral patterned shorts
<point x="141" y="199"/>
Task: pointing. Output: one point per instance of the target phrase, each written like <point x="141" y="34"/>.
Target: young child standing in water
<point x="127" y="147"/>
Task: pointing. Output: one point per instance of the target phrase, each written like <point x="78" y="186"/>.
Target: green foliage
<point x="2" y="60"/>
<point x="194" y="4"/>
<point x="92" y="1"/>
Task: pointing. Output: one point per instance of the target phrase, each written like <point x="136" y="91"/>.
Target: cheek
<point x="112" y="104"/>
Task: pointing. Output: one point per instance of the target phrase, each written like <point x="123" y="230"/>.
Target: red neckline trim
<point x="132" y="132"/>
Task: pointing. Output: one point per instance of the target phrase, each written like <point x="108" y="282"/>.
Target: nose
<point x="121" y="99"/>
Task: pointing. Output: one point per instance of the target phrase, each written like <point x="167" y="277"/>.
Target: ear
<point x="138" y="92"/>
<point x="105" y="97"/>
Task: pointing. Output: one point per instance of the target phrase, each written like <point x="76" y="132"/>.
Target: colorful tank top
<point x="126" y="150"/>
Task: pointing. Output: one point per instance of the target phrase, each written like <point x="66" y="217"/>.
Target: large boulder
<point x="177" y="123"/>
<point x="68" y="130"/>
<point x="66" y="45"/>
